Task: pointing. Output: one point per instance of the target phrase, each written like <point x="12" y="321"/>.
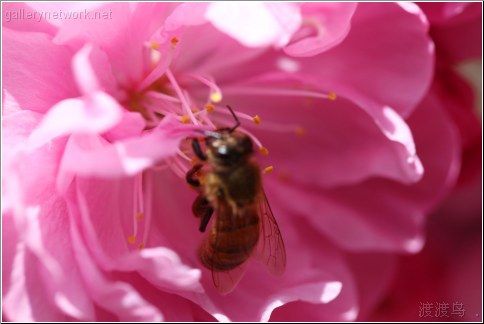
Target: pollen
<point x="131" y="239"/>
<point x="185" y="119"/>
<point x="174" y="41"/>
<point x="256" y="119"/>
<point x="141" y="246"/>
<point x="215" y="97"/>
<point x="264" y="151"/>
<point x="210" y="108"/>
<point x="139" y="216"/>
<point x="332" y="96"/>
<point x="300" y="131"/>
<point x="269" y="169"/>
<point x="154" y="45"/>
<point x="194" y="110"/>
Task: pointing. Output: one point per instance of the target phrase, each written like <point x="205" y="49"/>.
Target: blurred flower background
<point x="369" y="113"/>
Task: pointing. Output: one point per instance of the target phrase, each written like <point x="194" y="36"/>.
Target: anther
<point x="131" y="239"/>
<point x="154" y="45"/>
<point x="256" y="119"/>
<point x="215" y="97"/>
<point x="269" y="169"/>
<point x="332" y="96"/>
<point x="210" y="108"/>
<point x="300" y="131"/>
<point x="264" y="151"/>
<point x="141" y="246"/>
<point x="174" y="41"/>
<point x="139" y="216"/>
<point x="185" y="119"/>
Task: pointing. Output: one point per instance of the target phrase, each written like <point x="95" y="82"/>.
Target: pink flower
<point x="96" y="211"/>
<point x="444" y="282"/>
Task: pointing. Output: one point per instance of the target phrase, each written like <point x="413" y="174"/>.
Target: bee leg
<point x="205" y="219"/>
<point x="198" y="150"/>
<point x="201" y="208"/>
<point x="190" y="177"/>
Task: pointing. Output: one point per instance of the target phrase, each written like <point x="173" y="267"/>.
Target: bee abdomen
<point x="230" y="246"/>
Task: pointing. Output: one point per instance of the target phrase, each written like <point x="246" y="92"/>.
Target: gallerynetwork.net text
<point x="38" y="16"/>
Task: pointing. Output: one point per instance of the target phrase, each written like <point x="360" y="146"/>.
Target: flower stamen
<point x="269" y="169"/>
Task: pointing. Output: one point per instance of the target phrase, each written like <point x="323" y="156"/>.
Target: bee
<point x="244" y="225"/>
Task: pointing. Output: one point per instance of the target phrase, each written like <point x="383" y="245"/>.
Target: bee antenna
<point x="237" y="121"/>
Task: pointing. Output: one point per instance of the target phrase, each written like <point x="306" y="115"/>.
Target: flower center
<point x="162" y="93"/>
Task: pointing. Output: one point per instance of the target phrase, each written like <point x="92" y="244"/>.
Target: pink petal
<point x="256" y="24"/>
<point x="456" y="30"/>
<point x="334" y="21"/>
<point x="385" y="216"/>
<point x="369" y="65"/>
<point x="94" y="113"/>
<point x="16" y="16"/>
<point x="36" y="73"/>
<point x="90" y="155"/>
<point x="59" y="282"/>
<point x="122" y="36"/>
<point x="341" y="144"/>
<point x="132" y="124"/>
<point x="26" y="299"/>
<point x="118" y="297"/>
<point x="186" y="14"/>
<point x="92" y="71"/>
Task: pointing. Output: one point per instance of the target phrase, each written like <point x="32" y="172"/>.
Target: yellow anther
<point x="332" y="96"/>
<point x="264" y="151"/>
<point x="154" y="45"/>
<point x="185" y="119"/>
<point x="256" y="119"/>
<point x="141" y="247"/>
<point x="210" y="107"/>
<point x="131" y="239"/>
<point x="139" y="216"/>
<point x="193" y="162"/>
<point x="194" y="110"/>
<point x="174" y="41"/>
<point x="300" y="131"/>
<point x="215" y="97"/>
<point x="269" y="169"/>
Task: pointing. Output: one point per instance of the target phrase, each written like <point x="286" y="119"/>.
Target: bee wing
<point x="224" y="281"/>
<point x="271" y="250"/>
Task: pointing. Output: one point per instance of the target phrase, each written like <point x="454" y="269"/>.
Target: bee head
<point x="231" y="148"/>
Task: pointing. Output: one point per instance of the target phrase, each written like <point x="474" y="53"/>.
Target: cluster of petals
<point x="96" y="113"/>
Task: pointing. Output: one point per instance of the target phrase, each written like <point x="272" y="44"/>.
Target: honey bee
<point x="244" y="225"/>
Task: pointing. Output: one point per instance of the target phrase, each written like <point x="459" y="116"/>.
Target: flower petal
<point x="92" y="114"/>
<point x="332" y="23"/>
<point x="91" y="156"/>
<point x="375" y="66"/>
<point x="22" y="17"/>
<point x="92" y="71"/>
<point x="119" y="297"/>
<point x="340" y="145"/>
<point x="256" y="24"/>
<point x="386" y="216"/>
<point x="38" y="73"/>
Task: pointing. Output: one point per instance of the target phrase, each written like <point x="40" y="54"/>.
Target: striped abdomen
<point x="231" y="240"/>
